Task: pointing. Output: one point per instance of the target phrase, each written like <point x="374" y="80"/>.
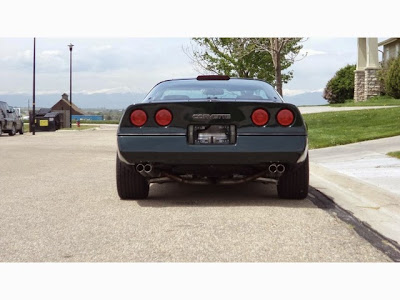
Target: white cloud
<point x="18" y="58"/>
<point x="49" y="53"/>
<point x="121" y="89"/>
<point x="294" y="92"/>
<point x="311" y="52"/>
<point x="101" y="48"/>
<point x="47" y="92"/>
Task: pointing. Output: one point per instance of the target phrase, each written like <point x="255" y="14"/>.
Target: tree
<point x="341" y="86"/>
<point x="392" y="78"/>
<point x="229" y="56"/>
<point x="283" y="52"/>
<point x="261" y="58"/>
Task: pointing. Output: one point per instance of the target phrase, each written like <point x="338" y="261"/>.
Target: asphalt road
<point x="58" y="203"/>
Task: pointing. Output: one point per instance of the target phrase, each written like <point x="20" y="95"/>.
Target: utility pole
<point x="34" y="88"/>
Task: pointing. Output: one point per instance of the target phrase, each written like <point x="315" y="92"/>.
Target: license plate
<point x="212" y="134"/>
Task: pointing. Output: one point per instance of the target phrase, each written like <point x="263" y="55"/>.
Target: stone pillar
<point x="359" y="74"/>
<point x="366" y="83"/>
<point x="359" y="85"/>
<point x="372" y="84"/>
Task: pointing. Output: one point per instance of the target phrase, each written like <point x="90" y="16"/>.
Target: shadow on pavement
<point x="247" y="194"/>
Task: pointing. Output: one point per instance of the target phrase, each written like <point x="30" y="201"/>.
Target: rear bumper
<point x="174" y="150"/>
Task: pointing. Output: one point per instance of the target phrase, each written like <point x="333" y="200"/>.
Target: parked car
<point x="10" y="120"/>
<point x="212" y="130"/>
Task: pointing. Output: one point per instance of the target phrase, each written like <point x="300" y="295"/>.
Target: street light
<point x="70" y="84"/>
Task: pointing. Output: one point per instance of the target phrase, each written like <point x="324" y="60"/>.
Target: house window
<point x="387" y="54"/>
<point x="397" y="50"/>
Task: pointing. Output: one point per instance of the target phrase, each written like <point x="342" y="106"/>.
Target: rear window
<point x="200" y="90"/>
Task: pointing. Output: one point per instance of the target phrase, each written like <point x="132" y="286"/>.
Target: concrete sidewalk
<point x="361" y="178"/>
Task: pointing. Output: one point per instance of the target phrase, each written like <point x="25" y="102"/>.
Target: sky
<point x="115" y="65"/>
<point x="122" y="49"/>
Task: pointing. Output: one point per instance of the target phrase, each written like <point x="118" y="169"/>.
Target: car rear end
<point x="213" y="140"/>
<point x="212" y="133"/>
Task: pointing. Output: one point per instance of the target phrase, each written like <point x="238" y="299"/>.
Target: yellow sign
<point x="44" y="123"/>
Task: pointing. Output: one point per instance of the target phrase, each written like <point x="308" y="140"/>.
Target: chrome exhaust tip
<point x="272" y="168"/>
<point x="140" y="168"/>
<point x="148" y="168"/>
<point x="280" y="168"/>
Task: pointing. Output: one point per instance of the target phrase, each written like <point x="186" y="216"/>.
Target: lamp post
<point x="70" y="84"/>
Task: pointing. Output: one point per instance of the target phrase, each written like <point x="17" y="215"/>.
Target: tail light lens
<point x="163" y="117"/>
<point x="138" y="117"/>
<point x="285" y="117"/>
<point x="260" y="117"/>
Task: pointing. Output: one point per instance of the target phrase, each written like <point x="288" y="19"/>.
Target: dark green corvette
<point x="212" y="130"/>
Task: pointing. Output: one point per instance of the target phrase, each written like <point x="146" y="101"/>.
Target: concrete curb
<point x="375" y="206"/>
<point x="379" y="241"/>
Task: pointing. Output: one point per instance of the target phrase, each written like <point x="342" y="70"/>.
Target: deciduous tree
<point x="229" y="56"/>
<point x="261" y="58"/>
<point x="283" y="51"/>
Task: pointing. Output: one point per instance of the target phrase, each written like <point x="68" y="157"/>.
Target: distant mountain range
<point x="306" y="99"/>
<point x="84" y="101"/>
<point x="122" y="100"/>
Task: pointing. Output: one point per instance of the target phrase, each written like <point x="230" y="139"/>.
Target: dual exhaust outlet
<point x="146" y="170"/>
<point x="276" y="168"/>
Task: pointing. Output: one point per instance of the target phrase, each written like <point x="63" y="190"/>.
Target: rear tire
<point x="130" y="184"/>
<point x="21" y="131"/>
<point x="12" y="132"/>
<point x="294" y="184"/>
<point x="1" y="129"/>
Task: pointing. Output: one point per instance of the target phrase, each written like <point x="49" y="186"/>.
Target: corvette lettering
<point x="211" y="116"/>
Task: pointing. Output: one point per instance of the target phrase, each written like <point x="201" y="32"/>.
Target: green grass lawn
<point x="374" y="101"/>
<point x="394" y="154"/>
<point x="340" y="128"/>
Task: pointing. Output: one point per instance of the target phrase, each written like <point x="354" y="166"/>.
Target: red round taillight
<point x="285" y="117"/>
<point x="138" y="117"/>
<point x="163" y="117"/>
<point x="260" y="117"/>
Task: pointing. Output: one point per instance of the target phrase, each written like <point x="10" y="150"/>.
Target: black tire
<point x="21" y="131"/>
<point x="12" y="132"/>
<point x="294" y="184"/>
<point x="1" y="129"/>
<point x="130" y="184"/>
